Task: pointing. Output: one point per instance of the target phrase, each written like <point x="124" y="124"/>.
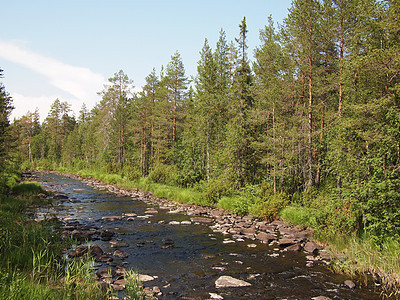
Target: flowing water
<point x="198" y="257"/>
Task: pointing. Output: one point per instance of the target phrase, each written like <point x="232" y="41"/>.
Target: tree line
<point x="314" y="118"/>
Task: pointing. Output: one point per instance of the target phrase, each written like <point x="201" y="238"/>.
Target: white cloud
<point x="80" y="83"/>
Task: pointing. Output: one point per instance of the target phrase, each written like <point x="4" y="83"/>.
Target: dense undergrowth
<point x="32" y="265"/>
<point x="333" y="221"/>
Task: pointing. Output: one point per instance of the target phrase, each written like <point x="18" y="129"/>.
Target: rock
<point x="104" y="258"/>
<point x="201" y="220"/>
<point x="79" y="251"/>
<point x="95" y="250"/>
<point x="251" y="245"/>
<point x="120" y="254"/>
<point x="117" y="287"/>
<point x="105" y="273"/>
<point x="267" y="228"/>
<point x="286" y="242"/>
<point x="321" y="298"/>
<point x="311" y="247"/>
<point x="247" y="231"/>
<point x="130" y="215"/>
<point x="186" y="222"/>
<point x="265" y="237"/>
<point x="174" y="223"/>
<point x="145" y="278"/>
<point x="151" y="212"/>
<point x="117" y="244"/>
<point x="112" y="218"/>
<point x="120" y="271"/>
<point x="106" y="235"/>
<point x="59" y="197"/>
<point x="215" y="296"/>
<point x="294" y="248"/>
<point x="228" y="281"/>
<point x="325" y="255"/>
<point x="350" y="284"/>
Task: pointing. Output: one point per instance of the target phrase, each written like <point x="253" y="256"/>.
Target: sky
<point x="68" y="49"/>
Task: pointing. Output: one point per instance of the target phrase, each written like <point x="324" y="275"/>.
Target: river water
<point x="198" y="256"/>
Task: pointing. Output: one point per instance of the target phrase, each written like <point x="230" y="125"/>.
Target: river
<point x="186" y="260"/>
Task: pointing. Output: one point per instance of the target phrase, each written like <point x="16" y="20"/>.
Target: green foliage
<point x="216" y="188"/>
<point x="28" y="188"/>
<point x="163" y="173"/>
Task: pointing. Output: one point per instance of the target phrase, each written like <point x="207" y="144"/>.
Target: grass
<point x="364" y="255"/>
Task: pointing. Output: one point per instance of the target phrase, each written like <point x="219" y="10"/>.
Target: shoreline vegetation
<point x="363" y="259"/>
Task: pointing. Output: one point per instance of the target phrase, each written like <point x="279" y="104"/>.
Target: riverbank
<point x="286" y="236"/>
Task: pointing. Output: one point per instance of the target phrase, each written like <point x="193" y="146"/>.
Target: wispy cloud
<point x="81" y="83"/>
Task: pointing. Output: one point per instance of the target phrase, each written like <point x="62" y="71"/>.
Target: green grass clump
<point x="28" y="188"/>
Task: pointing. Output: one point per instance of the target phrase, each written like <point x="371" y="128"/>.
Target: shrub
<point x="162" y="173"/>
<point x="215" y="189"/>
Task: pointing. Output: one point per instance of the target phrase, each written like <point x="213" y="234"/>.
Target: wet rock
<point x="117" y="244"/>
<point x="120" y="271"/>
<point x="201" y="220"/>
<point x="321" y="298"/>
<point x="311" y="247"/>
<point x="294" y="248"/>
<point x="151" y="212"/>
<point x="78" y="252"/>
<point x="265" y="237"/>
<point x="350" y="284"/>
<point x="168" y="243"/>
<point x="286" y="242"/>
<point x="130" y="215"/>
<point x="112" y="218"/>
<point x="106" y="235"/>
<point x="60" y="197"/>
<point x="120" y="254"/>
<point x="105" y="273"/>
<point x="186" y="222"/>
<point x="95" y="250"/>
<point x="228" y="281"/>
<point x="104" y="258"/>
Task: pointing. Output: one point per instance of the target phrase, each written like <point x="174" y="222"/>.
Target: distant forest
<point x="312" y="120"/>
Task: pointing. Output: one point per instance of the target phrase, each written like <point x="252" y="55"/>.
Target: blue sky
<point x="67" y="49"/>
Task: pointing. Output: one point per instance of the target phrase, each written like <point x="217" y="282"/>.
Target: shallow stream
<point x="197" y="256"/>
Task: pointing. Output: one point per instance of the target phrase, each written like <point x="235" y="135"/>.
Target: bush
<point x="164" y="174"/>
<point x="215" y="189"/>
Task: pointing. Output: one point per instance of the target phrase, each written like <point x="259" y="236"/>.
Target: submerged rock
<point x="120" y="254"/>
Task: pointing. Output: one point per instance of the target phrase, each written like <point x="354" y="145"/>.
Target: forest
<point x="305" y="127"/>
